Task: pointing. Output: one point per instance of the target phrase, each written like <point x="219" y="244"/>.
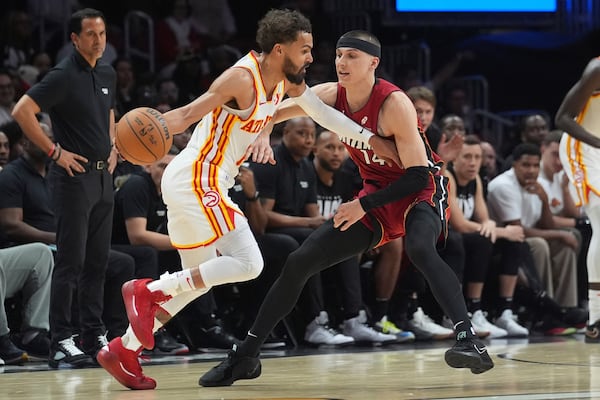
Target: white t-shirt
<point x="508" y="201"/>
<point x="553" y="190"/>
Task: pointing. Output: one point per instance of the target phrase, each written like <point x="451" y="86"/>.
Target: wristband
<point x="58" y="153"/>
<point x="52" y="150"/>
<point x="253" y="198"/>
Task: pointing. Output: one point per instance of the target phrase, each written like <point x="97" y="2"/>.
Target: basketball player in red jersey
<point x="395" y="201"/>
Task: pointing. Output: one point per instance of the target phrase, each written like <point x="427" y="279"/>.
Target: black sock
<point x="250" y="347"/>
<point x="380" y="309"/>
<point x="473" y="305"/>
<point x="413" y="304"/>
<point x="505" y="303"/>
<point x="464" y="330"/>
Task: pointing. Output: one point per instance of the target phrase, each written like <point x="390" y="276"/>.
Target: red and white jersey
<point x="196" y="181"/>
<point x="581" y="161"/>
<point x="220" y="140"/>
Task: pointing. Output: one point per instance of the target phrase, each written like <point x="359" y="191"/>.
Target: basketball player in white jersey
<point x="579" y="117"/>
<point x="202" y="219"/>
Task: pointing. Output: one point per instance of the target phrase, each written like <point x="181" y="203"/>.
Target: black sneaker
<point x="166" y="344"/>
<point x="92" y="349"/>
<point x="217" y="337"/>
<point x="66" y="352"/>
<point x="469" y="353"/>
<point x="232" y="369"/>
<point x="10" y="353"/>
<point x="592" y="333"/>
<point x="35" y="342"/>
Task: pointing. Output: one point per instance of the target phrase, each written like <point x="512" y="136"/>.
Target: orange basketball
<point x="142" y="136"/>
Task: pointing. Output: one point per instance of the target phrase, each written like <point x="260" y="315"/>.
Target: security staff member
<point x="78" y="93"/>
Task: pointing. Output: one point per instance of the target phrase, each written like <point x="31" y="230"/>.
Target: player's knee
<point x="415" y="249"/>
<point x="298" y="265"/>
<point x="254" y="267"/>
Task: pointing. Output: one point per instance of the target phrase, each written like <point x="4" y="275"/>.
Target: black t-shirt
<point x="236" y="194"/>
<point x="138" y="198"/>
<point x="78" y="99"/>
<point x="329" y="198"/>
<point x="291" y="184"/>
<point x="465" y="195"/>
<point x="434" y="137"/>
<point x="23" y="187"/>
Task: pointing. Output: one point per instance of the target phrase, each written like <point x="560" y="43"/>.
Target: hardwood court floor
<point x="564" y="368"/>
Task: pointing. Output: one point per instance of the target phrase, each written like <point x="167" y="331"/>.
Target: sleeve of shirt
<point x="265" y="176"/>
<point x="12" y="190"/>
<point x="504" y="202"/>
<point x="311" y="195"/>
<point x="135" y="199"/>
<point x="113" y="104"/>
<point x="51" y="90"/>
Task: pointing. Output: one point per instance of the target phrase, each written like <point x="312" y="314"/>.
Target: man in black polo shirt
<point x="78" y="93"/>
<point x="26" y="217"/>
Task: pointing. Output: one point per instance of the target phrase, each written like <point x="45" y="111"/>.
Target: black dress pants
<point x="83" y="207"/>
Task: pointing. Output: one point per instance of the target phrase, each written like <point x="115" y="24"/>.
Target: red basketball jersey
<point x="376" y="174"/>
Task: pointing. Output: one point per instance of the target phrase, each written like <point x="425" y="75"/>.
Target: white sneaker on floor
<point x="507" y="321"/>
<point x="422" y="323"/>
<point x="318" y="333"/>
<point x="358" y="328"/>
<point x="1" y="362"/>
<point x="480" y="323"/>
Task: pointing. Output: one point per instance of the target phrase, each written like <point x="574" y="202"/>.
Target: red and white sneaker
<point x="123" y="364"/>
<point x="141" y="305"/>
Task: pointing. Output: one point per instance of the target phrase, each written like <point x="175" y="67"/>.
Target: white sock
<point x="594" y="305"/>
<point x="131" y="342"/>
<point x="175" y="283"/>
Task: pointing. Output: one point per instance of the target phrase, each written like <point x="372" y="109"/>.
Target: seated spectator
<point x="16" y="140"/>
<point x="126" y="87"/>
<point x="26" y="269"/>
<point x="167" y="92"/>
<point x="175" y="35"/>
<point x="335" y="187"/>
<point x="43" y="62"/>
<point x="516" y="198"/>
<point x="7" y="97"/>
<point x="16" y="41"/>
<point x="566" y="215"/>
<point x="443" y="143"/>
<point x="4" y="150"/>
<point x="490" y="165"/>
<point x="533" y="129"/>
<point x="469" y="216"/>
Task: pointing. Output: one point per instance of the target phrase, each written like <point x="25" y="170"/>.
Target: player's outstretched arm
<point x="235" y="84"/>
<point x="318" y="105"/>
<point x="574" y="102"/>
